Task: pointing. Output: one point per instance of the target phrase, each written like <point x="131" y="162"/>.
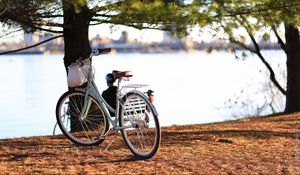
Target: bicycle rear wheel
<point x="81" y="122"/>
<point x="142" y="131"/>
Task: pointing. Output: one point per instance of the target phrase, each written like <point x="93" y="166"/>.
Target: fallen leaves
<point x="268" y="145"/>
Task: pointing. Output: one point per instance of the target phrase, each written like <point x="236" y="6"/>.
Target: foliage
<point x="29" y="14"/>
<point x="257" y="17"/>
<point x="48" y="15"/>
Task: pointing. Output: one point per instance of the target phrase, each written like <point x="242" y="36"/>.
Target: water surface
<point x="189" y="88"/>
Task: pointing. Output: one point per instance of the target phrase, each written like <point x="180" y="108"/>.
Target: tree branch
<point x="244" y="22"/>
<point x="134" y="25"/>
<point x="52" y="16"/>
<point x="234" y="41"/>
<point x="106" y="7"/>
<point x="17" y="50"/>
<point x="243" y="45"/>
<point x="46" y="24"/>
<point x="272" y="74"/>
<point x="43" y="29"/>
<point x="280" y="41"/>
<point x="103" y="15"/>
<point x="227" y="11"/>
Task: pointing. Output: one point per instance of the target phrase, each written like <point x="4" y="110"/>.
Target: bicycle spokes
<point x="142" y="133"/>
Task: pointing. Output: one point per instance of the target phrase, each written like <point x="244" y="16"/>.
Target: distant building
<point x="167" y="38"/>
<point x="30" y="38"/>
<point x="45" y="36"/>
<point x="98" y="41"/>
<point x="124" y="37"/>
<point x="52" y="46"/>
<point x="173" y="42"/>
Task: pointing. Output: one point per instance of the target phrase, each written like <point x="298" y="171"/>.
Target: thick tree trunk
<point x="76" y="37"/>
<point x="76" y="32"/>
<point x="293" y="69"/>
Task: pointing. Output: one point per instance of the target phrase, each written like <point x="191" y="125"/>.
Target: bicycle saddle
<point x="119" y="74"/>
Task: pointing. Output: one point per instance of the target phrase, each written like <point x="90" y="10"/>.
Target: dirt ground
<point x="268" y="145"/>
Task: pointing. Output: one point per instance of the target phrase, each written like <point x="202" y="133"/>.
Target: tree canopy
<point x="48" y="15"/>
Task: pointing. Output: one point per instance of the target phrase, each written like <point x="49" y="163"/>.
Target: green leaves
<point x="28" y="13"/>
<point x="156" y="14"/>
<point x="266" y="37"/>
<point x="245" y="20"/>
<point x="174" y="15"/>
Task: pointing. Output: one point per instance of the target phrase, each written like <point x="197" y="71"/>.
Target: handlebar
<point x="96" y="52"/>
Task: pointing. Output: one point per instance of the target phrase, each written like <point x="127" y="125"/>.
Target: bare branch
<point x="241" y="44"/>
<point x="259" y="54"/>
<point x="51" y="16"/>
<point x="280" y="41"/>
<point x="134" y="25"/>
<point x="103" y="15"/>
<point x="12" y="51"/>
<point x="47" y="30"/>
<point x="48" y="24"/>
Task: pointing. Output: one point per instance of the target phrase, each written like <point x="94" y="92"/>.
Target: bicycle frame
<point x="93" y="91"/>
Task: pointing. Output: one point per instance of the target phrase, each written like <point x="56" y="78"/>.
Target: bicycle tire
<point x="144" y="135"/>
<point x="83" y="128"/>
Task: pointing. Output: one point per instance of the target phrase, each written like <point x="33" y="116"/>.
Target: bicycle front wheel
<point x="81" y="120"/>
<point x="141" y="130"/>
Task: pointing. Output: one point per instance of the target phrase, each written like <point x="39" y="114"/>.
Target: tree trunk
<point x="76" y="31"/>
<point x="76" y="37"/>
<point x="293" y="68"/>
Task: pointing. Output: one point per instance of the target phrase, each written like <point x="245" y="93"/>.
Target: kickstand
<point x="112" y="140"/>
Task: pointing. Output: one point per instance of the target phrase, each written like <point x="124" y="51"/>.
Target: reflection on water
<point x="189" y="88"/>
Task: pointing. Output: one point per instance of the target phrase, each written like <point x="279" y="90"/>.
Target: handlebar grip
<point x="104" y="50"/>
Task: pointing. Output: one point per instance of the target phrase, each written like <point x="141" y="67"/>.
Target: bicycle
<point x="83" y="115"/>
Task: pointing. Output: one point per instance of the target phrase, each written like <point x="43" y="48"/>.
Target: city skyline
<point x="114" y="32"/>
<point x="104" y="30"/>
<point x="146" y="40"/>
